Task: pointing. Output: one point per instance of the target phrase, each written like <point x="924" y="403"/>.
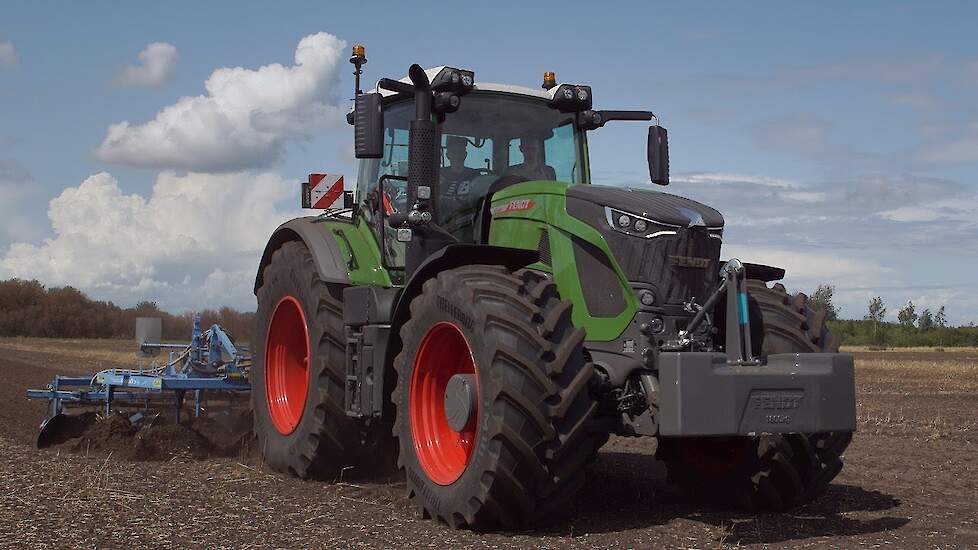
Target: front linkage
<point x="737" y="394"/>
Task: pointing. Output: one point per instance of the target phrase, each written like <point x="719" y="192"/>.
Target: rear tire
<point x="521" y="457"/>
<point x="772" y="472"/>
<point x="304" y="435"/>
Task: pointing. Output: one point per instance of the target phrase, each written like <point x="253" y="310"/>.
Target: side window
<point x="394" y="199"/>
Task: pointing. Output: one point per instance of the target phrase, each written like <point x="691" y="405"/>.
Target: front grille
<point x="602" y="291"/>
<point x="679" y="266"/>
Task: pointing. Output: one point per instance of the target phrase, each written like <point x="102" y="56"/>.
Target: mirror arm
<point x="592" y="120"/>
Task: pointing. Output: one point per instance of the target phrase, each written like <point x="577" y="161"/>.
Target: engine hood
<point x="664" y="208"/>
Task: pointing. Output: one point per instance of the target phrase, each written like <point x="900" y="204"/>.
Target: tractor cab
<point x="498" y="136"/>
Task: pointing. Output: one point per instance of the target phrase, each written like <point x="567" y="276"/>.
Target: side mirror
<point x="368" y="126"/>
<point x="658" y="155"/>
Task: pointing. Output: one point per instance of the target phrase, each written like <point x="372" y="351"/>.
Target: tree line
<point x="28" y="308"/>
<point x="914" y="326"/>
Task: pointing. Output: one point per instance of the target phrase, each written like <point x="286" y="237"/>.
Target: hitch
<point x="734" y="286"/>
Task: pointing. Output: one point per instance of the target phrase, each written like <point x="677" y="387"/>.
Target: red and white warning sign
<point x="324" y="191"/>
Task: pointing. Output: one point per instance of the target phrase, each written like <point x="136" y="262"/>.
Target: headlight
<point x="570" y="98"/>
<point x="638" y="226"/>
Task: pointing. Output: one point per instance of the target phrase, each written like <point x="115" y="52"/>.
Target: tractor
<point x="480" y="315"/>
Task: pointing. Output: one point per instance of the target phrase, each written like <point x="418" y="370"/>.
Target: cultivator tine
<point x="154" y="420"/>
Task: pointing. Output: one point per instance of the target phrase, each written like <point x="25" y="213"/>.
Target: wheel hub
<point x="460" y="401"/>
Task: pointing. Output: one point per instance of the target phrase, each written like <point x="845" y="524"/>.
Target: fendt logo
<point x="690" y="261"/>
<point x="776" y="401"/>
<point x="516" y="205"/>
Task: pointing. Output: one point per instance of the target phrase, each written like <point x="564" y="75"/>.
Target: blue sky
<point x="840" y="141"/>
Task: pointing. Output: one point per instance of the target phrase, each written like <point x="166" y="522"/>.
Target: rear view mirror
<point x="658" y="155"/>
<point x="368" y="126"/>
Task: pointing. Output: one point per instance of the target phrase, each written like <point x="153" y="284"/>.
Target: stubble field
<point x="910" y="481"/>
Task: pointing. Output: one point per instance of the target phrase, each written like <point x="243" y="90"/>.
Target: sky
<point x="147" y="150"/>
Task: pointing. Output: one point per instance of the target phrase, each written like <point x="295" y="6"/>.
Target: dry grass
<point x="910" y="481"/>
<point x="113" y="351"/>
<point x="924" y="396"/>
<point x="923" y="376"/>
<point x="912" y="349"/>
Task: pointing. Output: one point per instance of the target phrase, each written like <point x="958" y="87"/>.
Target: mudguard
<point x="330" y="261"/>
<point x="452" y="256"/>
<point x="763" y="272"/>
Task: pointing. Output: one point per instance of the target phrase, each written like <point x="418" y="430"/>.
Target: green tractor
<point x="480" y="313"/>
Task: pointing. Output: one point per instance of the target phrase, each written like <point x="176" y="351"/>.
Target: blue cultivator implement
<point x="209" y="363"/>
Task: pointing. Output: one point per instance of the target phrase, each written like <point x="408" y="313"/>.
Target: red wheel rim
<point x="442" y="452"/>
<point x="287" y="365"/>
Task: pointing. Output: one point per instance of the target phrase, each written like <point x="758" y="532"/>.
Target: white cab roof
<point x="484" y="86"/>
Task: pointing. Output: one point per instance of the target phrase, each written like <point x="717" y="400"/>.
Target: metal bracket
<point x="738" y="344"/>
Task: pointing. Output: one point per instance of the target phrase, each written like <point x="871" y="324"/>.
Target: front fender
<point x="763" y="272"/>
<point x="450" y="257"/>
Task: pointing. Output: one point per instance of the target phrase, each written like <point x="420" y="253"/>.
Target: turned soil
<point x="910" y="480"/>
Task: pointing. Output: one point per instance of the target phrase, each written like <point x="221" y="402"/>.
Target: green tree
<point x="907" y="315"/>
<point x="822" y="299"/>
<point x="926" y="320"/>
<point x="941" y="321"/>
<point x="877" y="311"/>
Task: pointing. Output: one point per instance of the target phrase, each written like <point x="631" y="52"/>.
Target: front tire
<point x="516" y="452"/>
<point x="771" y="472"/>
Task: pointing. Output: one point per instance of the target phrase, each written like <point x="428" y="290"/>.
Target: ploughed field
<point x="911" y="479"/>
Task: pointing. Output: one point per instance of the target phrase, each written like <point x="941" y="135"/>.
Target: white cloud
<point x="245" y="118"/>
<point x="858" y="202"/>
<point x="194" y="242"/>
<point x="157" y="65"/>
<point x="727" y="177"/>
<point x="8" y="55"/>
<point x="956" y="209"/>
<point x="807" y="268"/>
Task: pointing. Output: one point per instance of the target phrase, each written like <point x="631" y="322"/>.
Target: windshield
<point x="491" y="136"/>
